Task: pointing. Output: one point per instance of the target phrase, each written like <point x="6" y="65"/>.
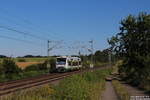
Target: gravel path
<point x="109" y="93"/>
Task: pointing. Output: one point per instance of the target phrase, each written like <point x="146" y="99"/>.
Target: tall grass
<point x="40" y="93"/>
<point x="87" y="86"/>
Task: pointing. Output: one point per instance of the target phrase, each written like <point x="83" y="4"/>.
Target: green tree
<point x="132" y="43"/>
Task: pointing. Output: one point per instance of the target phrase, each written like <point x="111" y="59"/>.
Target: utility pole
<point x="48" y="49"/>
<point x="79" y="53"/>
<point x="92" y="51"/>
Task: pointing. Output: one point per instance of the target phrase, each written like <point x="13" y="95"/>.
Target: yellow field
<point x="23" y="65"/>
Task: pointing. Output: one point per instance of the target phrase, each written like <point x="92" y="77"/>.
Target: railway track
<point x="12" y="86"/>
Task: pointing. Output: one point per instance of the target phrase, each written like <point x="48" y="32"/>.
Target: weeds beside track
<point x="12" y="86"/>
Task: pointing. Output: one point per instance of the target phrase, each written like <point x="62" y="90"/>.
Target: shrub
<point x="9" y="70"/>
<point x="42" y="66"/>
<point x="52" y="64"/>
<point x="1" y="69"/>
<point x="9" y="67"/>
<point x="33" y="67"/>
<point x="21" y="60"/>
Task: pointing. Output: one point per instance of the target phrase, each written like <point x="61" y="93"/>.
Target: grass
<point x="120" y="90"/>
<point x="24" y="74"/>
<point x="86" y="86"/>
<point x="40" y="93"/>
<point x="98" y="64"/>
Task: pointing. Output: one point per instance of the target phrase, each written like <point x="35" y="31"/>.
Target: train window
<point x="61" y="61"/>
<point x="69" y="63"/>
<point x="75" y="63"/>
<point x="79" y="62"/>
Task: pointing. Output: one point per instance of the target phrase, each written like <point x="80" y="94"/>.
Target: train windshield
<point x="61" y="61"/>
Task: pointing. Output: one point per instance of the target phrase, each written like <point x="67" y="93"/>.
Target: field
<point x="27" y="61"/>
<point x="31" y="59"/>
<point x="23" y="65"/>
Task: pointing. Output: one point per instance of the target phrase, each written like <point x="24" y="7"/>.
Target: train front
<point x="61" y="63"/>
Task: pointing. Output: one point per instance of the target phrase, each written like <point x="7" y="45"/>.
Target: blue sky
<point x="74" y="22"/>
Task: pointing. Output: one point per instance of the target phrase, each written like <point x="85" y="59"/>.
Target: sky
<point x="69" y="23"/>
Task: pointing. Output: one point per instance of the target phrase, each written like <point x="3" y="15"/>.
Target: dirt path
<point x="109" y="93"/>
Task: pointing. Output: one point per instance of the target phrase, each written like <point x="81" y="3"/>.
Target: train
<point x="68" y="63"/>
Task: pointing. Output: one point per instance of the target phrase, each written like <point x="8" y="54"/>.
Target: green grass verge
<point x="120" y="90"/>
<point x="22" y="75"/>
<point x="40" y="93"/>
<point x="87" y="86"/>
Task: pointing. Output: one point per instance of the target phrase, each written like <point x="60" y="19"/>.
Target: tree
<point x="3" y="56"/>
<point x="101" y="56"/>
<point x="132" y="43"/>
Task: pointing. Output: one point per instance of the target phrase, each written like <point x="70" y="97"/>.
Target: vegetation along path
<point x="134" y="91"/>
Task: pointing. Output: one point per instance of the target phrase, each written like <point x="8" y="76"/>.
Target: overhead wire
<point x="26" y="27"/>
<point x="31" y="24"/>
<point x="16" y="39"/>
<point x="21" y="32"/>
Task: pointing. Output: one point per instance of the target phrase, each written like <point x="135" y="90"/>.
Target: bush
<point x="21" y="60"/>
<point x="9" y="70"/>
<point x="42" y="66"/>
<point x="33" y="67"/>
<point x="9" y="67"/>
<point x="36" y="67"/>
<point x="52" y="64"/>
<point x="1" y="69"/>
